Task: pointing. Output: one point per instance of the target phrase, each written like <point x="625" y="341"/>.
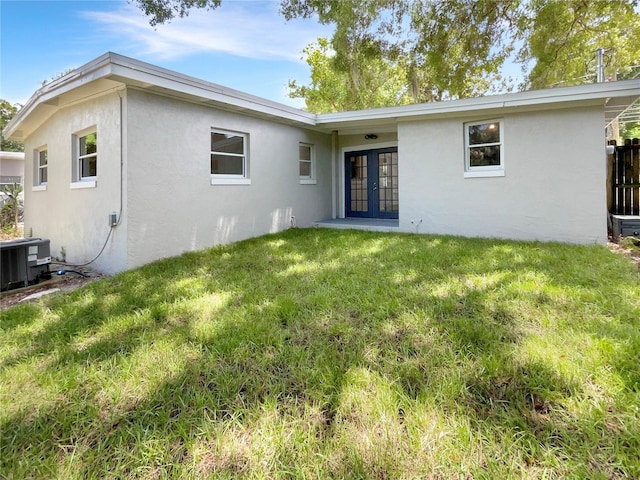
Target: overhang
<point x="616" y="97"/>
<point x="111" y="72"/>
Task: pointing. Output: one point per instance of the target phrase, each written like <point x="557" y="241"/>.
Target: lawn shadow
<point x="288" y="327"/>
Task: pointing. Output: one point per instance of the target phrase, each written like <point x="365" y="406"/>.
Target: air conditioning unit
<point x="24" y="262"/>
<point x="625" y="225"/>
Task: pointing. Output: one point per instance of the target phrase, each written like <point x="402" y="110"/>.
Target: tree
<point x="7" y="112"/>
<point x="338" y="89"/>
<point x="562" y="36"/>
<point x="388" y="52"/>
<point x="11" y="209"/>
<point x="163" y="11"/>
<point x="429" y="50"/>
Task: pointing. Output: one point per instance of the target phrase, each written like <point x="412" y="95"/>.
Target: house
<point x="11" y="169"/>
<point x="138" y="162"/>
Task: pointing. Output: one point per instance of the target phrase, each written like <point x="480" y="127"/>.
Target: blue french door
<point x="371" y="180"/>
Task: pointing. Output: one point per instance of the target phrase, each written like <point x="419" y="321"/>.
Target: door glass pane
<point x="358" y="167"/>
<point x="388" y="182"/>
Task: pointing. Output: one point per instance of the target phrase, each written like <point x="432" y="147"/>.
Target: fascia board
<point x="533" y="100"/>
<point x="94" y="70"/>
<point x="128" y="70"/>
<point x="124" y="68"/>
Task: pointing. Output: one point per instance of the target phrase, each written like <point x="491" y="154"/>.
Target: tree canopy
<point x="390" y="52"/>
<point x="7" y="112"/>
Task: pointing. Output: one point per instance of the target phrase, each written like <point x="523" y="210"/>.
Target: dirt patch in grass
<point x="65" y="283"/>
<point x="627" y="248"/>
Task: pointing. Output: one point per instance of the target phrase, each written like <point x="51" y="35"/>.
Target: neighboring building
<point x="155" y="163"/>
<point x="11" y="169"/>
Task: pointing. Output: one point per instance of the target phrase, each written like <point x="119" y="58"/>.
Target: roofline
<point x="595" y="91"/>
<point x="129" y="71"/>
<point x="138" y="70"/>
<point x="53" y="88"/>
<point x="121" y="68"/>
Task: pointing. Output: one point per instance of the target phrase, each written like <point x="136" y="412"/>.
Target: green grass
<point x="332" y="354"/>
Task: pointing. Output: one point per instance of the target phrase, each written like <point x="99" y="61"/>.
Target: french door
<point x="371" y="181"/>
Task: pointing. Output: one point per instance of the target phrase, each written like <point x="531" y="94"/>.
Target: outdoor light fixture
<point x="370" y="136"/>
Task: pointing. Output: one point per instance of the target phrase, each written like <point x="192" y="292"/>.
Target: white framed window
<point x="306" y="163"/>
<point x="85" y="158"/>
<point x="41" y="174"/>
<point x="484" y="148"/>
<point x="229" y="158"/>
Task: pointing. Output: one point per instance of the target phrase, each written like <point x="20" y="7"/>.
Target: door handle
<point x="375" y="186"/>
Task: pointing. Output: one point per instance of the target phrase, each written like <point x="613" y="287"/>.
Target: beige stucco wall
<point x="171" y="203"/>
<point x="78" y="219"/>
<point x="553" y="188"/>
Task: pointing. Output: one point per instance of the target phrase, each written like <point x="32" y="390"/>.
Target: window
<point x="484" y="150"/>
<point x="228" y="158"/>
<point x="42" y="166"/>
<point x="88" y="156"/>
<point x="306" y="164"/>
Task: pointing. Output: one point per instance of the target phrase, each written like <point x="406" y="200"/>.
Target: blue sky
<point x="244" y="44"/>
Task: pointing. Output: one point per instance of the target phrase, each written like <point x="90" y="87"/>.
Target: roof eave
<point x="128" y="71"/>
<point x="530" y="100"/>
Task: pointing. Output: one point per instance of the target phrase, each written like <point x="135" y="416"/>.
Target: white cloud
<point x="251" y="29"/>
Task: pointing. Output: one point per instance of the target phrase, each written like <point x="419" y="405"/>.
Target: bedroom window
<point x="42" y="166"/>
<point x="229" y="162"/>
<point x="484" y="149"/>
<point x="306" y="164"/>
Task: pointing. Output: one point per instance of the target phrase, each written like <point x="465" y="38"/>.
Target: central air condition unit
<point x="24" y="262"/>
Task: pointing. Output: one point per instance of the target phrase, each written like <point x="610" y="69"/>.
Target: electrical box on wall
<point x="113" y="219"/>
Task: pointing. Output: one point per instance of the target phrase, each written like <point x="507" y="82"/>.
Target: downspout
<point x="334" y="170"/>
<point x="121" y="158"/>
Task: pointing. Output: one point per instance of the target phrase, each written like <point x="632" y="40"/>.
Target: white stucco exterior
<point x="77" y="219"/>
<point x="553" y="187"/>
<point x="172" y="205"/>
<point x="154" y="168"/>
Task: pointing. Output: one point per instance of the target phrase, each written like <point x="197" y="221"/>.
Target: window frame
<point x="77" y="180"/>
<point x="81" y="158"/>
<point x="231" y="178"/>
<point x="39" y="167"/>
<point x="483" y="170"/>
<point x="311" y="178"/>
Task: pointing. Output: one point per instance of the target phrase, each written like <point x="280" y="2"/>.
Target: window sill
<point x="39" y="188"/>
<point x="484" y="174"/>
<point x="308" y="181"/>
<point x="83" y="184"/>
<point x="230" y="181"/>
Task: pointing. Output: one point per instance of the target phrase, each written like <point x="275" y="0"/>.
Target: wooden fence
<point x="623" y="179"/>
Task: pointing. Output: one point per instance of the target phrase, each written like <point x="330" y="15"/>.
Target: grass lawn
<point x="332" y="354"/>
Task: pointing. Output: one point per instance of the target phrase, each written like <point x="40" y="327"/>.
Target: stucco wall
<point x="78" y="219"/>
<point x="172" y="205"/>
<point x="553" y="188"/>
